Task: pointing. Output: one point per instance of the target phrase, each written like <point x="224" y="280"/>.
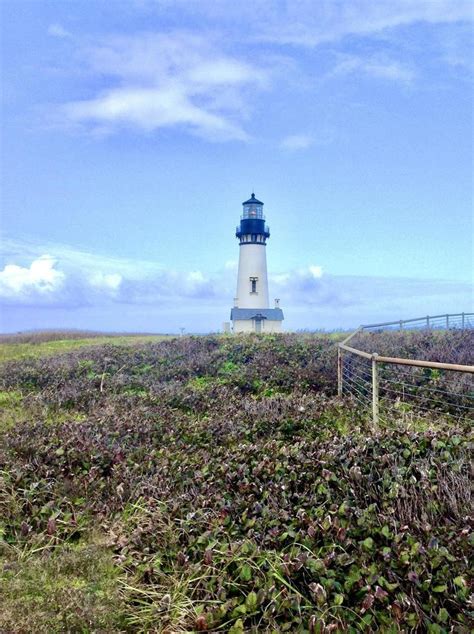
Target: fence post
<point x="447" y="322"/>
<point x="375" y="390"/>
<point x="462" y="321"/>
<point x="339" y="372"/>
<point x="401" y="324"/>
<point x="428" y="321"/>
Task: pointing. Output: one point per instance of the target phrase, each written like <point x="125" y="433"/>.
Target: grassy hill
<point x="217" y="484"/>
<point x="44" y="343"/>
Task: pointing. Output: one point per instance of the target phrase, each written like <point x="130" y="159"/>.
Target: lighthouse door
<point x="258" y="325"/>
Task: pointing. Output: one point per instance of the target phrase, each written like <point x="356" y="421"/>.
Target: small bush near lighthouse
<point x="217" y="484"/>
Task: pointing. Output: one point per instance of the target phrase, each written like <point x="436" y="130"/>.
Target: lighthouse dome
<point x="252" y="201"/>
<point x="253" y="208"/>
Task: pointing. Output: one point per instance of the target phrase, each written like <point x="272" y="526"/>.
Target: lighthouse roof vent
<point x="252" y="201"/>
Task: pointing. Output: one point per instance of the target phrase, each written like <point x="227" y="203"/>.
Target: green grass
<point x="67" y="588"/>
<point x="16" y="408"/>
<point x="11" y="409"/>
<point x="10" y="351"/>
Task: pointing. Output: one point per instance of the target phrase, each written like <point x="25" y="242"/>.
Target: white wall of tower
<point x="249" y="325"/>
<point x="252" y="264"/>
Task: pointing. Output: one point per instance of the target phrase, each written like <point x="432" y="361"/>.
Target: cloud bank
<point x="71" y="280"/>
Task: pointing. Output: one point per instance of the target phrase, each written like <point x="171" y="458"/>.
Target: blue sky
<point x="132" y="131"/>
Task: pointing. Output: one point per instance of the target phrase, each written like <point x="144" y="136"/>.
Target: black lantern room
<point x="252" y="228"/>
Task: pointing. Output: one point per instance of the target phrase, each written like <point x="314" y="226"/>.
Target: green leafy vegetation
<point x="217" y="484"/>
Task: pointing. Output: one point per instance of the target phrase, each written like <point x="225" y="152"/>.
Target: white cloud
<point x="197" y="82"/>
<point x="309" y="23"/>
<point x="455" y="43"/>
<point x="73" y="259"/>
<point x="326" y="17"/>
<point x="56" y="30"/>
<point x="297" y="142"/>
<point x="316" y="271"/>
<point x="167" y="80"/>
<point x="309" y="293"/>
<point x="106" y="281"/>
<point x="40" y="278"/>
<point x="75" y="278"/>
<point x="378" y="67"/>
<point x="196" y="276"/>
<point x="150" y="109"/>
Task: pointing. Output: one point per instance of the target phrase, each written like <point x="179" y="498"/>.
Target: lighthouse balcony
<point x="245" y="233"/>
<point x="255" y="226"/>
<point x="261" y="229"/>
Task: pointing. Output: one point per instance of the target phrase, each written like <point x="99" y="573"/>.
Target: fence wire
<point x="453" y="321"/>
<point x="404" y="390"/>
<point x="357" y="379"/>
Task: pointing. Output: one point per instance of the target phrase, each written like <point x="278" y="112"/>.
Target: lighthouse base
<point x="259" y="320"/>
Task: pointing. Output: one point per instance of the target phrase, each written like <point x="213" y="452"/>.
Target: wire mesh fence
<point x="397" y="386"/>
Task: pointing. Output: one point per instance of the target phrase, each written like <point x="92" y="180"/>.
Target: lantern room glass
<point x="253" y="211"/>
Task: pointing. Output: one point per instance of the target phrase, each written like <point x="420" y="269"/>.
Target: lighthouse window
<point x="253" y="211"/>
<point x="254" y="237"/>
<point x="253" y="284"/>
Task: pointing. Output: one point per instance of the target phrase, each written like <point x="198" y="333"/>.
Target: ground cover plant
<point x="416" y="388"/>
<point x="217" y="484"/>
<point x="453" y="346"/>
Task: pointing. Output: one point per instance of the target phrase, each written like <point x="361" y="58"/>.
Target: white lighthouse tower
<point x="252" y="312"/>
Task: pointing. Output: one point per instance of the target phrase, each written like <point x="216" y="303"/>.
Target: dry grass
<point x="41" y="345"/>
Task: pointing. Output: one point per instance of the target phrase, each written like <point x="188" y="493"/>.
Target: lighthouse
<point x="251" y="311"/>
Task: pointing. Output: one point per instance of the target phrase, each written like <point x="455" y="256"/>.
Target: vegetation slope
<point x="217" y="484"/>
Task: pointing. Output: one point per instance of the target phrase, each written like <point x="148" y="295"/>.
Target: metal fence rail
<point x="389" y="385"/>
<point x="453" y="320"/>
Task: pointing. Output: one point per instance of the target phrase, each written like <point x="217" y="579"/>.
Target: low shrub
<point x="231" y="490"/>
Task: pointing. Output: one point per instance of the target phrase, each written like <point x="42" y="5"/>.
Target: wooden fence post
<point x="375" y="390"/>
<point x="462" y="321"/>
<point x="339" y="371"/>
